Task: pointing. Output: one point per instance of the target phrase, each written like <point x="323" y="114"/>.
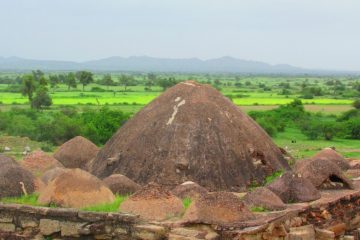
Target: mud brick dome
<point x="191" y="132"/>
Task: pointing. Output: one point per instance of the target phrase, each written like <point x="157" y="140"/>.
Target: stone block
<point x="302" y="233"/>
<point x="70" y="229"/>
<point x="48" y="226"/>
<point x="7" y="227"/>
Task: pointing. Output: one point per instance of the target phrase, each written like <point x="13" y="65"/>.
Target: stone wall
<point x="26" y="222"/>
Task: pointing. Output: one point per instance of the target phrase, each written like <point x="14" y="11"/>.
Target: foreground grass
<point x="109" y="207"/>
<point x="30" y="199"/>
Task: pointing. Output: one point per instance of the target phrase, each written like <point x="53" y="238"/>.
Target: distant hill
<point x="151" y="64"/>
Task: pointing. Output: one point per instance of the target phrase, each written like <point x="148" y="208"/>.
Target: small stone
<point x="7" y="227"/>
<point x="324" y="234"/>
<point x="185" y="232"/>
<point x="48" y="226"/>
<point x="7" y="148"/>
<point x="338" y="229"/>
<point x="70" y="229"/>
<point x="302" y="233"/>
<point x="27" y="149"/>
<point x="28" y="222"/>
<point x="212" y="236"/>
<point x="5" y="218"/>
<point x="348" y="237"/>
<point x="149" y="232"/>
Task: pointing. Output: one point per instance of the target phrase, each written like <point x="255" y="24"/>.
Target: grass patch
<point x="273" y="177"/>
<point x="186" y="202"/>
<point x="258" y="209"/>
<point x="109" y="207"/>
<point x="30" y="199"/>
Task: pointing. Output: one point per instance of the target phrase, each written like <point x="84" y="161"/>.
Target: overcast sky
<point x="307" y="33"/>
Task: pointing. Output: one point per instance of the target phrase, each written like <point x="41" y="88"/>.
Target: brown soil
<point x="39" y="162"/>
<point x="217" y="208"/>
<point x="191" y="133"/>
<point x="120" y="184"/>
<point x="76" y="188"/>
<point x="153" y="202"/>
<point x="76" y="153"/>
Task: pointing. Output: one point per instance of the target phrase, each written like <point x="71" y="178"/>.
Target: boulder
<point x="120" y="184"/>
<point x="189" y="190"/>
<point x="333" y="156"/>
<point x="292" y="187"/>
<point x="265" y="198"/>
<point x="191" y="132"/>
<point x="153" y="202"/>
<point x="323" y="174"/>
<point x="14" y="180"/>
<point x="76" y="153"/>
<point x="221" y="208"/>
<point x="51" y="174"/>
<point x="76" y="188"/>
<point x="38" y="162"/>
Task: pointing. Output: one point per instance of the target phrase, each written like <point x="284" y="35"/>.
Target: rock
<point x="338" y="229"/>
<point x="323" y="234"/>
<point x="334" y="157"/>
<point x="149" y="232"/>
<point x="191" y="132"/>
<point x="302" y="233"/>
<point x="323" y="174"/>
<point x="70" y="229"/>
<point x="38" y="162"/>
<point x="120" y="184"/>
<point x="291" y="187"/>
<point x="217" y="208"/>
<point x="27" y="149"/>
<point x="263" y="197"/>
<point x="76" y="188"/>
<point x="7" y="227"/>
<point x="76" y="153"/>
<point x="153" y="202"/>
<point x="189" y="190"/>
<point x="7" y="149"/>
<point x="51" y="174"/>
<point x="48" y="226"/>
<point x="14" y="180"/>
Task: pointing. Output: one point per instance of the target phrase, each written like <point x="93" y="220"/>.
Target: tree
<point x="84" y="77"/>
<point x="42" y="98"/>
<point x="126" y="80"/>
<point x="54" y="81"/>
<point x="70" y="80"/>
<point x="28" y="86"/>
<point x="38" y="74"/>
<point x="167" y="82"/>
<point x="107" y="81"/>
<point x="151" y="79"/>
<point x="356" y="104"/>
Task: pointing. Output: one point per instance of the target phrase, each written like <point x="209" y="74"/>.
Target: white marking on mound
<point x="177" y="99"/>
<point x="187" y="83"/>
<point x="187" y="183"/>
<point x="176" y="108"/>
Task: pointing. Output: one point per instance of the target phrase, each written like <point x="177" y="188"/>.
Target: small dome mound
<point x="51" y="174"/>
<point x="293" y="188"/>
<point x="39" y="162"/>
<point x="333" y="156"/>
<point x="76" y="153"/>
<point x="120" y="184"/>
<point x="153" y="202"/>
<point x="323" y="174"/>
<point x="4" y="160"/>
<point x="76" y="188"/>
<point x="189" y="190"/>
<point x="217" y="208"/>
<point x="14" y="180"/>
<point x="265" y="198"/>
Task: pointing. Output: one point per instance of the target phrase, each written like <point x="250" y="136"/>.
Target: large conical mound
<point x="191" y="133"/>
